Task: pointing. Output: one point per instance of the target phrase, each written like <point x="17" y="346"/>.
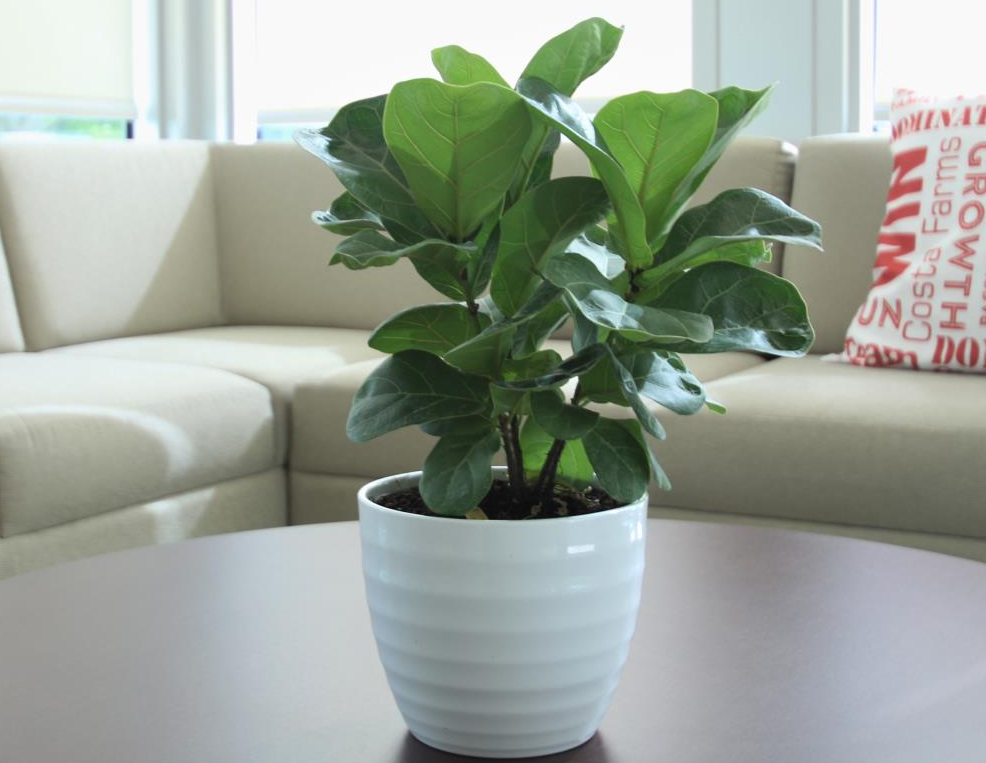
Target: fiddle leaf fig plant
<point x="454" y="176"/>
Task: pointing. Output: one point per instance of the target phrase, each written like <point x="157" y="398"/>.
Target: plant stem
<point x="515" y="467"/>
<point x="474" y="313"/>
<point x="545" y="488"/>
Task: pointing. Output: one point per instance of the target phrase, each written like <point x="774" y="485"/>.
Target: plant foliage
<point x="454" y="175"/>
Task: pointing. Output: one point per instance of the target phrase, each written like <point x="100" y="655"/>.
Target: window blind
<point x="66" y="57"/>
<point x="313" y="57"/>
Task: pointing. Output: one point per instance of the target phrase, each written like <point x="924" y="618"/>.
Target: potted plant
<point x="505" y="637"/>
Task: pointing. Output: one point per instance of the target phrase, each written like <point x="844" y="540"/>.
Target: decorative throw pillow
<point x="927" y="306"/>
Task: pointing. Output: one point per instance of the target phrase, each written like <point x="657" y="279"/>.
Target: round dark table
<point x="753" y="645"/>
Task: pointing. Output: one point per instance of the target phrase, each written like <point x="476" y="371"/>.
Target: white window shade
<point x="934" y="48"/>
<point x="66" y="57"/>
<point x="314" y="56"/>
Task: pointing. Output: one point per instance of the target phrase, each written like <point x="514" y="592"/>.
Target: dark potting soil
<point x="499" y="503"/>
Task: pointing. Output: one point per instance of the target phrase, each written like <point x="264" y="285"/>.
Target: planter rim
<point x="374" y="487"/>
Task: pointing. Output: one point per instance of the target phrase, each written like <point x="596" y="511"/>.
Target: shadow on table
<point x="413" y="751"/>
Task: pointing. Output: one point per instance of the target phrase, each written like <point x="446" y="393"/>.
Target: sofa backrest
<point x="11" y="339"/>
<point x="109" y="239"/>
<point x="841" y="181"/>
<point x="274" y="259"/>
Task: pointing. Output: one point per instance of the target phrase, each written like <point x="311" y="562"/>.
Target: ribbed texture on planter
<point x="501" y="639"/>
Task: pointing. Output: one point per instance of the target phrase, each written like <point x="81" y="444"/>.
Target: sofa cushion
<point x="841" y="181"/>
<point x="109" y="239"/>
<point x="80" y="435"/>
<point x="318" y="437"/>
<point x="279" y="357"/>
<point x="275" y="259"/>
<point x="814" y="440"/>
<point x="11" y="339"/>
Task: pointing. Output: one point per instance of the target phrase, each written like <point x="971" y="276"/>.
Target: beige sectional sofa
<point x="177" y="360"/>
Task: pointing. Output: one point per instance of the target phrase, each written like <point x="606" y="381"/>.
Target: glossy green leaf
<point x="620" y="460"/>
<point x="444" y="266"/>
<point x="576" y="365"/>
<point x="750" y="308"/>
<point x="458" y="472"/>
<point x="658" y="138"/>
<point x="533" y="332"/>
<point x="628" y="386"/>
<point x="737" y="108"/>
<point x="531" y="366"/>
<point x="353" y="145"/>
<point x="563" y="62"/>
<point x="656" y="471"/>
<point x="430" y="328"/>
<point x="540" y="225"/>
<point x="568" y="59"/>
<point x="413" y="387"/>
<point x="459" y="147"/>
<point x="460" y="67"/>
<point x="484" y="353"/>
<point x="593" y="297"/>
<point x="367" y="249"/>
<point x="574" y="468"/>
<point x="557" y="110"/>
<point x="651" y="284"/>
<point x="664" y="378"/>
<point x="560" y="419"/>
<point x="347" y="216"/>
<point x="736" y="215"/>
<point x="462" y="425"/>
<point x="592" y="244"/>
<point x="440" y="263"/>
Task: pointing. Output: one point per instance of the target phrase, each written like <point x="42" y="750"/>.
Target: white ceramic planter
<point x="501" y="639"/>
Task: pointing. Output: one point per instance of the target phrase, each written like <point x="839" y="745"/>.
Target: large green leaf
<point x="440" y="263"/>
<point x="460" y="67"/>
<point x="459" y="147"/>
<point x="560" y="419"/>
<point x="576" y="365"/>
<point x="533" y="332"/>
<point x="592" y="244"/>
<point x="664" y="378"/>
<point x="347" y="216"/>
<point x="620" y="459"/>
<point x="737" y="108"/>
<point x="485" y="352"/>
<point x="353" y="145"/>
<point x="563" y="62"/>
<point x="557" y="110"/>
<point x="736" y="215"/>
<point x="576" y="54"/>
<point x="574" y="468"/>
<point x="458" y="472"/>
<point x="658" y="138"/>
<point x="431" y="328"/>
<point x="593" y="297"/>
<point x="750" y="308"/>
<point x="540" y="225"/>
<point x="413" y="387"/>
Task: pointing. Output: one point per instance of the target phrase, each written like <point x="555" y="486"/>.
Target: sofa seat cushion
<point x="279" y="357"/>
<point x="814" y="440"/>
<point x="318" y="437"/>
<point x="80" y="435"/>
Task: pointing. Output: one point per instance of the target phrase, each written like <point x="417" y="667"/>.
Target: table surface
<point x="752" y="645"/>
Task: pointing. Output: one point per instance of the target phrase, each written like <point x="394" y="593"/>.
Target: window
<point x="311" y="59"/>
<point x="65" y="68"/>
<point x="935" y="48"/>
<point x="19" y="126"/>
